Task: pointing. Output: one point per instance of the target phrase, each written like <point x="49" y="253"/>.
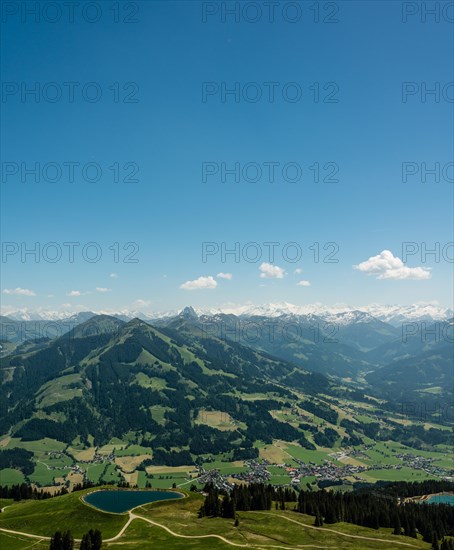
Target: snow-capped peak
<point x="339" y="313"/>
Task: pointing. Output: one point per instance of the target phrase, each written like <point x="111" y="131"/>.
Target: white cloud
<point x="141" y="303"/>
<point x="227" y="276"/>
<point x="19" y="291"/>
<point x="200" y="283"/>
<point x="270" y="271"/>
<point x="303" y="283"/>
<point x="103" y="289"/>
<point x="298" y="271"/>
<point x="50" y="296"/>
<point x="113" y="276"/>
<point x="387" y="266"/>
<point x="74" y="293"/>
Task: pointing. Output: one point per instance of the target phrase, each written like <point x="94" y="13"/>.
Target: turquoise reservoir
<point x="123" y="500"/>
<point x="441" y="499"/>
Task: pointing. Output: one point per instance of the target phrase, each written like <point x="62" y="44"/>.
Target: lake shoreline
<point x="115" y="488"/>
<point x="83" y="498"/>
<point x="425" y="498"/>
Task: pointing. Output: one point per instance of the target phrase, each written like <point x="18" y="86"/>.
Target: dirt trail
<point x="133" y="516"/>
<point x="339" y="532"/>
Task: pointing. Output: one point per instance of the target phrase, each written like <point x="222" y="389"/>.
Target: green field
<point x="94" y="472"/>
<point x="224" y="467"/>
<point x="132" y="450"/>
<point x="111" y="474"/>
<point x="9" y="476"/>
<point x="52" y="461"/>
<point x="307" y="455"/>
<point x="41" y="445"/>
<point x="166" y="481"/>
<point x="57" y="462"/>
<point x="285" y="529"/>
<point x="44" y="517"/>
<point x="403" y="474"/>
<point x="43" y="476"/>
<point x="60" y="389"/>
<point x="52" y="458"/>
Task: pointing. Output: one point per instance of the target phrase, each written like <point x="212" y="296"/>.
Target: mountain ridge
<point x="393" y="314"/>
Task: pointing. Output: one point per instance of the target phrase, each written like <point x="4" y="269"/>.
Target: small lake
<point x="123" y="500"/>
<point x="441" y="499"/>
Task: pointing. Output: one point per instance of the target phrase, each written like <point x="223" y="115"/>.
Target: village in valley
<point x="340" y="468"/>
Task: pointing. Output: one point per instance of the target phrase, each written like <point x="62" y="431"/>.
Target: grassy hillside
<point x="284" y="529"/>
<point x="113" y="401"/>
<point x="133" y="378"/>
<point x="44" y="517"/>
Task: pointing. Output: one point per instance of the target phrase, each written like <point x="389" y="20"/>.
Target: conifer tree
<point x="68" y="541"/>
<point x="56" y="542"/>
<point x="397" y="525"/>
<point x="86" y="543"/>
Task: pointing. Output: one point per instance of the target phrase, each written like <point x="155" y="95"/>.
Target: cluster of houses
<point x="76" y="469"/>
<point x="426" y="464"/>
<point x="257" y="472"/>
<point x="215" y="477"/>
<point x="99" y="458"/>
<point x="327" y="471"/>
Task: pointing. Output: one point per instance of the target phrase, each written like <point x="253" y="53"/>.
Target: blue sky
<point x="162" y="62"/>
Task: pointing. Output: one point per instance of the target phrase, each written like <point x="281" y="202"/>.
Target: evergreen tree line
<point x="20" y="459"/>
<point x="91" y="540"/>
<point x="413" y="488"/>
<point x="62" y="541"/>
<point x="374" y="511"/>
<point x="65" y="541"/>
<point x="25" y="491"/>
<point x="255" y="496"/>
<point x="446" y="544"/>
<point x="434" y="522"/>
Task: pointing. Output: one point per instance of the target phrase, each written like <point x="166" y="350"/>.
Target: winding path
<point x="133" y="516"/>
<point x="362" y="537"/>
<point x="29" y="535"/>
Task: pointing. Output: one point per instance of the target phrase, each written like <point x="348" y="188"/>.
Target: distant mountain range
<point x="342" y="314"/>
<point x="105" y="376"/>
<point x="348" y="345"/>
<point x="345" y="344"/>
<point x="133" y="377"/>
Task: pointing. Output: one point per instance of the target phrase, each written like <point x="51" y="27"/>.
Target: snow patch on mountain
<point x="340" y="314"/>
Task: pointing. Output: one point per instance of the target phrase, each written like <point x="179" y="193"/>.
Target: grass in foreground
<point x="266" y="529"/>
<point x="285" y="529"/>
<point x="44" y="517"/>
<point x="16" y="542"/>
